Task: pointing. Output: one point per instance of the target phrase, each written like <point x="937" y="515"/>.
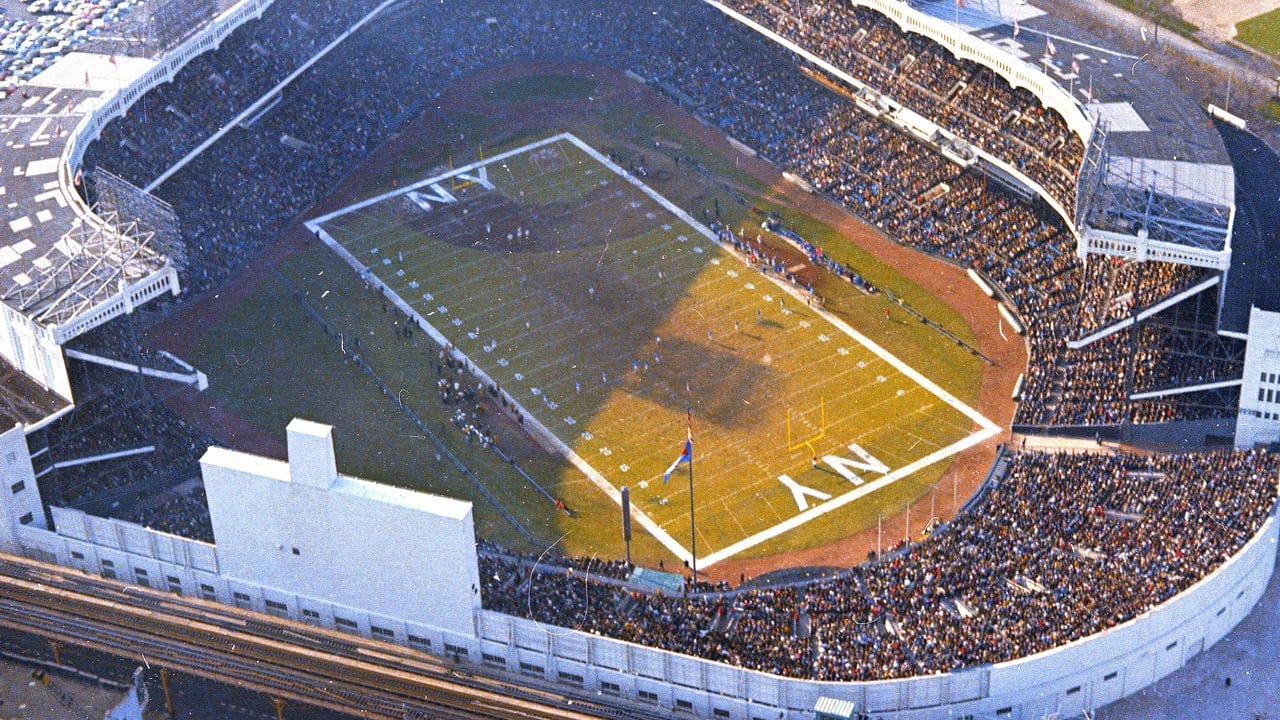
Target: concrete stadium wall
<point x="1069" y="679"/>
<point x="33" y="349"/>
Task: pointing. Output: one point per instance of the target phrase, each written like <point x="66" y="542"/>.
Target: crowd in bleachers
<point x="124" y="420"/>
<point x="962" y="96"/>
<point x="748" y="86"/>
<point x="179" y="513"/>
<point x="1063" y="547"/>
<point x="1115" y="288"/>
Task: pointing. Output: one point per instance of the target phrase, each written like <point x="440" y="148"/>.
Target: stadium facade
<point x="80" y="279"/>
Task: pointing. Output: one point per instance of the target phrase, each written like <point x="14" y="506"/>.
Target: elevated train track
<point x="279" y="657"/>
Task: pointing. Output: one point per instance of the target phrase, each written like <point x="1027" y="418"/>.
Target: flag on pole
<point x="1049" y="46"/>
<point x="686" y="454"/>
<point x="1075" y="67"/>
<point x="1016" y="29"/>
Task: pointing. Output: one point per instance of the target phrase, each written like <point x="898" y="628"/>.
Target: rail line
<point x="280" y="657"/>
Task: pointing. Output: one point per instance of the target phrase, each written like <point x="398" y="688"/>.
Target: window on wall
<point x="609" y="688"/>
<point x="419" y="642"/>
<point x="382" y="632"/>
<point x="495" y="660"/>
<point x="310" y="615"/>
<point x="646" y="696"/>
<point x="531" y="669"/>
<point x="278" y="609"/>
<point x="344" y="624"/>
<point x="18" y="487"/>
<point x="26" y="519"/>
<point x="242" y="600"/>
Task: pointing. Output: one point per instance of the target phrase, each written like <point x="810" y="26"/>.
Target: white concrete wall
<point x="32" y="349"/>
<point x="1258" y="420"/>
<point x="349" y="542"/>
<point x="19" y="494"/>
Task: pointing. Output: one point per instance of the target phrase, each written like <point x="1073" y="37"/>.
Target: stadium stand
<point x="1065" y="546"/>
<point x="1062" y="547"/>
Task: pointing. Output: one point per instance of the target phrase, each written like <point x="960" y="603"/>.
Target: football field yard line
<point x="532" y="423"/>
<point x="716" y="293"/>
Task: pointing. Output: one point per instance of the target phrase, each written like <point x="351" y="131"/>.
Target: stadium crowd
<point x="1064" y="546"/>
<point x="179" y="513"/>
<point x="962" y="96"/>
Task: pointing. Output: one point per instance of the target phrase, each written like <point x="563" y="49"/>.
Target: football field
<point x="616" y="323"/>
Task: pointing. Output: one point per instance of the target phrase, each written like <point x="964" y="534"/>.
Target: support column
<point x="56" y="645"/>
<point x="165" y="676"/>
<point x="278" y="704"/>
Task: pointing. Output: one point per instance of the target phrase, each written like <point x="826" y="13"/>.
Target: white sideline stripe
<point x="796" y="293"/>
<point x="315" y="222"/>
<point x="988" y="428"/>
<point x="272" y="93"/>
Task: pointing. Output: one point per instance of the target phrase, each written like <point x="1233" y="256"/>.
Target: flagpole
<point x="693" y="529"/>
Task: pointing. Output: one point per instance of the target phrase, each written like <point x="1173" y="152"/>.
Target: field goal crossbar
<point x="794" y="445"/>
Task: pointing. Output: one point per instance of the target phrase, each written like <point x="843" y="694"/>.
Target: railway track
<point x="280" y="657"/>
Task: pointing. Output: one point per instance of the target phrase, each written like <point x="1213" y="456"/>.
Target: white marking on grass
<point x="798" y="491"/>
<point x="987" y="428"/>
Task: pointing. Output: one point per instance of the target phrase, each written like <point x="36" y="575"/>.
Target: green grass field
<point x="606" y="317"/>
<point x="1261" y="32"/>
<point x="242" y="351"/>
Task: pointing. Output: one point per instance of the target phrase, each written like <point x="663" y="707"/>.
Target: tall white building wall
<point x="19" y="496"/>
<point x="1258" y="420"/>
<point x="302" y="530"/>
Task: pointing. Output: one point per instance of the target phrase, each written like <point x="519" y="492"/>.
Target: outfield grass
<point x="1261" y="32"/>
<point x="540" y="87"/>
<point x="605" y="316"/>
<point x="375" y="441"/>
<point x="1168" y="20"/>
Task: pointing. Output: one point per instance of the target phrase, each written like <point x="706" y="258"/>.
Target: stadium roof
<point x="54" y="266"/>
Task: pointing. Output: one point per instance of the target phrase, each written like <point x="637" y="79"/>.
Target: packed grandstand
<point x="1058" y="546"/>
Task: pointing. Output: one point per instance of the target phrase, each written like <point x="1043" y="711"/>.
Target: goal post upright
<point x="794" y="445"/>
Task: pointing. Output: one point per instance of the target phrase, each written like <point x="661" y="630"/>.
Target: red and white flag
<point x="1075" y="67"/>
<point x="1016" y="29"/>
<point x="1049" y="46"/>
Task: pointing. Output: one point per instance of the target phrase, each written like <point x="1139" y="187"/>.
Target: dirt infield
<point x="508" y="122"/>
